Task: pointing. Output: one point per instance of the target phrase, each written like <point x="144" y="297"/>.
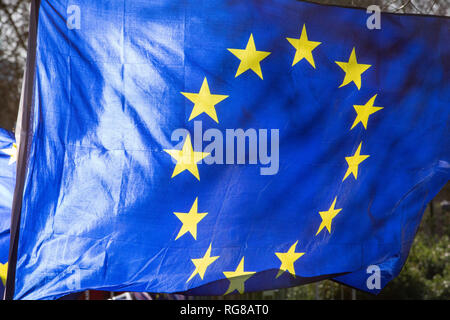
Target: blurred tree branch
<point x="19" y="35"/>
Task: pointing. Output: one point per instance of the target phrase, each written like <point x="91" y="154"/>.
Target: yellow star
<point x="202" y="264"/>
<point x="288" y="259"/>
<point x="190" y="220"/>
<point x="363" y="112"/>
<point x="304" y="48"/>
<point x="12" y="152"/>
<point x="353" y="70"/>
<point x="204" y="101"/>
<point x="328" y="216"/>
<point x="187" y="158"/>
<point x="353" y="163"/>
<point x="237" y="278"/>
<point x="250" y="58"/>
<point x="3" y="272"/>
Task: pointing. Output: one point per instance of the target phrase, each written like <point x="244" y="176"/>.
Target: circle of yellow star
<point x="363" y="112"/>
<point x="353" y="162"/>
<point x="237" y="278"/>
<point x="327" y="217"/>
<point x="287" y="260"/>
<point x="190" y="220"/>
<point x="204" y="101"/>
<point x="187" y="158"/>
<point x="3" y="272"/>
<point x="353" y="70"/>
<point x="250" y="58"/>
<point x="304" y="48"/>
<point x="12" y="152"/>
<point x="202" y="264"/>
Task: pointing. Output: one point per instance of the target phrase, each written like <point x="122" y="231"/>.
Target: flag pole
<point x="23" y="150"/>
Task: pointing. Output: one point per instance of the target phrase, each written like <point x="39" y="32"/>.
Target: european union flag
<point x="215" y="147"/>
<point x="8" y="151"/>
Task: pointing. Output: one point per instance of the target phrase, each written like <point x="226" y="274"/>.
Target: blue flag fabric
<point x="139" y="178"/>
<point x="7" y="183"/>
